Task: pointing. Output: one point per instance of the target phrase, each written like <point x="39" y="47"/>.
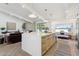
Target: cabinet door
<point x="47" y="42"/>
<point x="44" y="44"/>
<point x="44" y="47"/>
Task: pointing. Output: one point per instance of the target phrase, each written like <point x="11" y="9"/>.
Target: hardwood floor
<point x="12" y="50"/>
<point x="64" y="48"/>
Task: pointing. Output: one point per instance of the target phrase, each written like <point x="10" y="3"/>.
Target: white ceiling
<point x="54" y="11"/>
<point x="17" y="9"/>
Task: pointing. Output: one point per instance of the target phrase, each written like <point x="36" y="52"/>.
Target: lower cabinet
<point x="1" y="40"/>
<point x="47" y="42"/>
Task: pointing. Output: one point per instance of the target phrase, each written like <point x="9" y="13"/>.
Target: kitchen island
<point x="37" y="44"/>
<point x="48" y="40"/>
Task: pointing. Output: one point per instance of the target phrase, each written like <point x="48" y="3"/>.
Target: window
<point x="63" y="27"/>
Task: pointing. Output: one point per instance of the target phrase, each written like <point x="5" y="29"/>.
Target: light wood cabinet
<point x="47" y="42"/>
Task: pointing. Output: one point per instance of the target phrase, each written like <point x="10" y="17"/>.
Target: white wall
<point x="4" y="18"/>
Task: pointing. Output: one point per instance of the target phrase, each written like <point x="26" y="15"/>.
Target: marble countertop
<point x="45" y="34"/>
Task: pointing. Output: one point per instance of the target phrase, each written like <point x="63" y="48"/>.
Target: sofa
<point x="14" y="38"/>
<point x="63" y="35"/>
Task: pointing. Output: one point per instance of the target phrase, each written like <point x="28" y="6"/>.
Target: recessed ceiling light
<point x="45" y="20"/>
<point x="23" y="6"/>
<point x="45" y="9"/>
<point x="32" y="16"/>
